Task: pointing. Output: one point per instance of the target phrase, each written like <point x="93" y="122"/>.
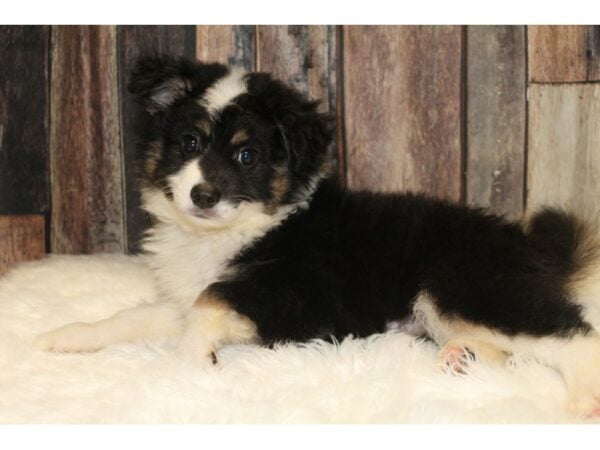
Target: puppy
<point x="253" y="241"/>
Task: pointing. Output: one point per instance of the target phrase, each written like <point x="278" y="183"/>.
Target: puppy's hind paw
<point x="458" y="354"/>
<point x="72" y="338"/>
<point x="586" y="403"/>
<point x="455" y="359"/>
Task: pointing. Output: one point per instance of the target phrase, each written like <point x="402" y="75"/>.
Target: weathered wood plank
<point x="304" y="56"/>
<point x="564" y="53"/>
<point x="228" y="44"/>
<point x="564" y="143"/>
<point x="21" y="239"/>
<point x="133" y="42"/>
<point x="24" y="135"/>
<point x="496" y="116"/>
<point x="86" y="177"/>
<point x="402" y="106"/>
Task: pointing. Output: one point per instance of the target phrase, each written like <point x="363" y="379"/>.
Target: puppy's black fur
<point x="349" y="262"/>
<point x="355" y="261"/>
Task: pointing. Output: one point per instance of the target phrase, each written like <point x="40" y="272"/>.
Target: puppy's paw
<point x="579" y="362"/>
<point x="458" y="354"/>
<point x="584" y="399"/>
<point x="198" y="349"/>
<point x="455" y="358"/>
<point x="72" y="338"/>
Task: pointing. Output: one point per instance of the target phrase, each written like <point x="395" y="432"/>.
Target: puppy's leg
<point x="212" y="323"/>
<point x="576" y="357"/>
<point x="142" y="322"/>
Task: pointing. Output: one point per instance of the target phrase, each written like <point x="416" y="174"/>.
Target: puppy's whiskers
<point x="241" y="197"/>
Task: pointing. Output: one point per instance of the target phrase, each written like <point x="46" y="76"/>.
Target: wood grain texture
<point x="302" y="55"/>
<point x="24" y="102"/>
<point x="86" y="164"/>
<point x="496" y="117"/>
<point x="133" y="42"/>
<point x="564" y="53"/>
<point x="402" y="108"/>
<point x="233" y="45"/>
<point x="306" y="57"/>
<point x="21" y="239"/>
<point x="564" y="143"/>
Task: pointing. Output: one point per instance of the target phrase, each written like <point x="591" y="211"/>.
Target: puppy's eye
<point x="247" y="156"/>
<point x="190" y="144"/>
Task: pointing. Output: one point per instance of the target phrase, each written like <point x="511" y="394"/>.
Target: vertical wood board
<point x="24" y="100"/>
<point x="21" y="239"/>
<point x="402" y="94"/>
<point x="496" y="116"/>
<point x="564" y="147"/>
<point x="234" y="45"/>
<point x="86" y="163"/>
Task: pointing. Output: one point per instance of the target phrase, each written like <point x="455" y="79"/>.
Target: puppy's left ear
<point x="306" y="135"/>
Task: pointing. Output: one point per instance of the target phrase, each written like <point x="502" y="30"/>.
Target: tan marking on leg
<point x="212" y="323"/>
<point x="459" y="352"/>
<point x="577" y="358"/>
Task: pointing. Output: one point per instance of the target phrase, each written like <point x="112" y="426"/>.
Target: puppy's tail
<point x="568" y="247"/>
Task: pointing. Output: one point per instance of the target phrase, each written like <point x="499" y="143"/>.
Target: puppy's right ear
<point x="159" y="81"/>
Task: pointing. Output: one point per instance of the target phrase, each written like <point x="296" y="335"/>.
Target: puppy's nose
<point x="204" y="196"/>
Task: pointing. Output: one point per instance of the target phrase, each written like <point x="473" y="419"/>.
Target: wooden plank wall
<point x="24" y="142"/>
<point x="504" y="117"/>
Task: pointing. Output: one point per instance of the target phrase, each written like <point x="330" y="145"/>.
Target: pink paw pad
<point x="455" y="359"/>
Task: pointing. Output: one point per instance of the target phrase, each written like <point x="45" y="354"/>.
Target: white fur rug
<point x="390" y="378"/>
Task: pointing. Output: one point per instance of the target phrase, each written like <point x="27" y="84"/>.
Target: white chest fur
<point x="184" y="263"/>
<point x="186" y="258"/>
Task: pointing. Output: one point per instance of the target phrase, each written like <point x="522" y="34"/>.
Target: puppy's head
<point x="220" y="145"/>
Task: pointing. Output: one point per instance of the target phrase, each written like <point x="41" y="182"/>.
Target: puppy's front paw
<point x="197" y="348"/>
<point x="73" y="338"/>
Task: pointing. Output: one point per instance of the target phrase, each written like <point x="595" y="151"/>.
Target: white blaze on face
<point x="224" y="91"/>
<point x="182" y="183"/>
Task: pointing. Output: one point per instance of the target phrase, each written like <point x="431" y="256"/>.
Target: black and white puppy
<point x="252" y="242"/>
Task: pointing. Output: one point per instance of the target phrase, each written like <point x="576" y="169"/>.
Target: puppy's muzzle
<point x="204" y="197"/>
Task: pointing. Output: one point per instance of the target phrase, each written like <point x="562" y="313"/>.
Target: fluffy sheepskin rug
<point x="389" y="378"/>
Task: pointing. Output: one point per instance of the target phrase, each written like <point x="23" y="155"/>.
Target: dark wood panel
<point x="21" y="239"/>
<point x="564" y="142"/>
<point x="133" y="42"/>
<point x="306" y="56"/>
<point x="564" y="53"/>
<point x="24" y="186"/>
<point x="496" y="113"/>
<point x="402" y="108"/>
<point x="227" y="44"/>
<point x="86" y="163"/>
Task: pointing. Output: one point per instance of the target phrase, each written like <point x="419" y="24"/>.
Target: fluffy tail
<point x="569" y="248"/>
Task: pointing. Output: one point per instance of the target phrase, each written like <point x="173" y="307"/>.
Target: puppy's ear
<point x="305" y="135"/>
<point x="159" y="81"/>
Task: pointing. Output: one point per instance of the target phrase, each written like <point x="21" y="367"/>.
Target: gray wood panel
<point x="496" y="117"/>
